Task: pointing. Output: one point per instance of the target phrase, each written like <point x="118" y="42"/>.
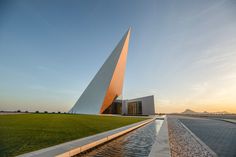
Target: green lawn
<point x="21" y="133"/>
<point x="230" y="120"/>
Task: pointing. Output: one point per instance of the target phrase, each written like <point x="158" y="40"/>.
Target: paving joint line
<point x="199" y="140"/>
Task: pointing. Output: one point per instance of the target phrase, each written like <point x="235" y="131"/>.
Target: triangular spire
<point x="107" y="83"/>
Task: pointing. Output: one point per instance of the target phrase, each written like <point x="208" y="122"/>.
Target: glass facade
<point x="135" y="108"/>
<point x="114" y="108"/>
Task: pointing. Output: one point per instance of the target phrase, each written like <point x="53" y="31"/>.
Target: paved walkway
<point x="161" y="147"/>
<point x="219" y="135"/>
<point x="183" y="143"/>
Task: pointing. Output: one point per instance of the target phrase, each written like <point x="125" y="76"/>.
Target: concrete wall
<point x="148" y="105"/>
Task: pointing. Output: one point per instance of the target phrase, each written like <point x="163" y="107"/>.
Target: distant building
<point x="138" y="106"/>
<point x="100" y="97"/>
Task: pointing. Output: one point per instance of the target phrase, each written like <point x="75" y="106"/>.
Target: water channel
<point x="134" y="144"/>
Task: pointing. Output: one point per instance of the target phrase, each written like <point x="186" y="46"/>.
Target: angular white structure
<point x="107" y="84"/>
<point x="101" y="95"/>
<point x="139" y="106"/>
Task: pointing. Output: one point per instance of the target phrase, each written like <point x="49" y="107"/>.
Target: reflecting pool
<point x="136" y="143"/>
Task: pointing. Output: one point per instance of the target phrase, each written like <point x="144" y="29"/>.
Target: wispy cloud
<point x="44" y="88"/>
<point x="220" y="57"/>
<point x="41" y="67"/>
<point x="205" y="11"/>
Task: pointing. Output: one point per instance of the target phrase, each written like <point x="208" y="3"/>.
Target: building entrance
<point x="114" y="108"/>
<point x="135" y="108"/>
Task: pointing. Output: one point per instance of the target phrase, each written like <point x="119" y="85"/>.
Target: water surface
<point x="136" y="143"/>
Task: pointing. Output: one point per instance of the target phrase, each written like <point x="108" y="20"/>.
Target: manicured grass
<point x="21" y="133"/>
<point x="230" y="120"/>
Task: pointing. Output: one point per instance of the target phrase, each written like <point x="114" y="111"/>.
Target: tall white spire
<point x="107" y="84"/>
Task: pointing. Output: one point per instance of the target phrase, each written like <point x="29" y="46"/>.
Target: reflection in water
<point x="135" y="144"/>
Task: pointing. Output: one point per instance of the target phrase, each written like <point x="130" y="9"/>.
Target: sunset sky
<point x="183" y="52"/>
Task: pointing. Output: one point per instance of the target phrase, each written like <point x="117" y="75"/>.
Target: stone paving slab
<point x="219" y="135"/>
<point x="182" y="142"/>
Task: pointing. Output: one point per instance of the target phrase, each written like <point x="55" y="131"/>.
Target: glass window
<point x="135" y="108"/>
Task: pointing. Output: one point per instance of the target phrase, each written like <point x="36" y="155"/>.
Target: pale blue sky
<point x="183" y="52"/>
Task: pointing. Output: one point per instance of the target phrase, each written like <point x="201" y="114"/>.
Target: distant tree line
<point x="19" y="111"/>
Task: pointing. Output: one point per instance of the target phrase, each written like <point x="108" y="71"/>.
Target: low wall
<point x="161" y="147"/>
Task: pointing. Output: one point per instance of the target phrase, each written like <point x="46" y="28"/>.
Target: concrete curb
<point x="227" y="120"/>
<point x="199" y="140"/>
<point x="161" y="147"/>
<point x="75" y="147"/>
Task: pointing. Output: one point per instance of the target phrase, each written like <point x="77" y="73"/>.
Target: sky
<point x="182" y="52"/>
